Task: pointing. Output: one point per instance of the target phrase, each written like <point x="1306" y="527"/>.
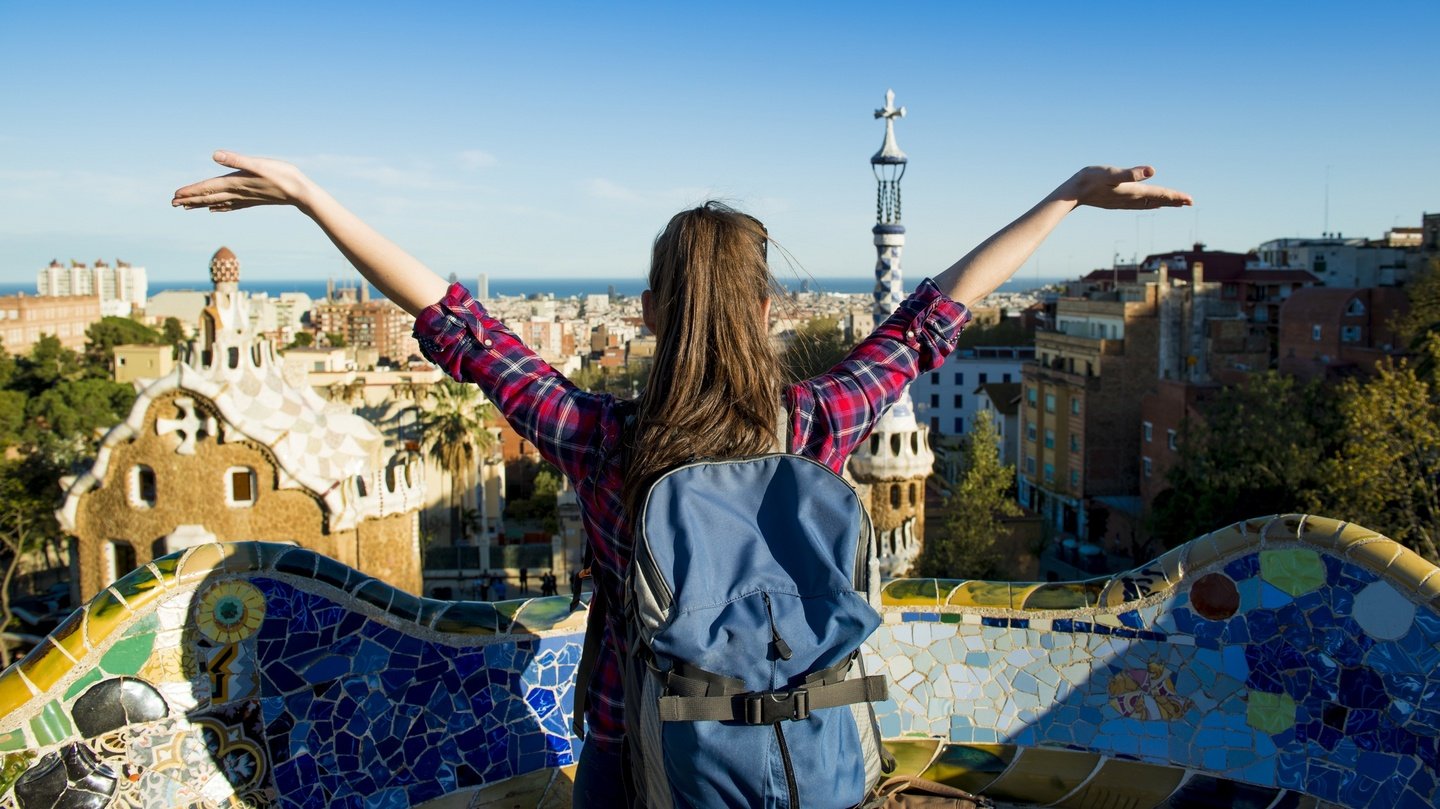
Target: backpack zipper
<point x="781" y="647"/>
<point x="790" y="784"/>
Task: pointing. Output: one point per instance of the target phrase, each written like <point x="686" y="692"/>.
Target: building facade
<point x="380" y="325"/>
<point x="121" y="288"/>
<point x="946" y="399"/>
<point x="25" y="318"/>
<point x="223" y="449"/>
<point x="1081" y="403"/>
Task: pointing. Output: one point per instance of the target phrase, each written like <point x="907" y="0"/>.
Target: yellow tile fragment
<point x="1376" y="554"/>
<point x="45" y="666"/>
<point x="104" y="615"/>
<point x="1126" y="783"/>
<point x="202" y="560"/>
<point x="1411" y="571"/>
<point x="1322" y="532"/>
<point x="1233" y="540"/>
<point x="1284" y="528"/>
<point x="1041" y="777"/>
<point x="14" y="693"/>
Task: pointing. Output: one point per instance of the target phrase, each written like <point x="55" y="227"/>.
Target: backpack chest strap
<point x="769" y="707"/>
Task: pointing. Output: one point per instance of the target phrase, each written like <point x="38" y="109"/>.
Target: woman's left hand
<point x="1122" y="189"/>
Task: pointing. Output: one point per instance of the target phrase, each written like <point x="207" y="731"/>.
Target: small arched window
<point x="142" y="486"/>
<point x="240" y="490"/>
<point x="119" y="560"/>
<point x="912" y="494"/>
<point x="895" y="443"/>
<point x="895" y="496"/>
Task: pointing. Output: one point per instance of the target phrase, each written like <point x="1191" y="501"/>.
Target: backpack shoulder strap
<point x="783" y="438"/>
<point x="585" y="672"/>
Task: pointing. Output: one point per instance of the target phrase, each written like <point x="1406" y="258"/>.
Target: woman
<point x="716" y="379"/>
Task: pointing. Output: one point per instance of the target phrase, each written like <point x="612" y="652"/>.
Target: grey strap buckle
<point x="775" y="706"/>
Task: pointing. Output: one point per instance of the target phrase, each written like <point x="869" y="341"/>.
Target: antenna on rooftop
<point x="1327" y="199"/>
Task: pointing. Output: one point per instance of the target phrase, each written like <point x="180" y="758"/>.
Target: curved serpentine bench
<point x="1282" y="662"/>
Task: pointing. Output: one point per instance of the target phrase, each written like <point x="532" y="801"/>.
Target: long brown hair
<point x="714" y="389"/>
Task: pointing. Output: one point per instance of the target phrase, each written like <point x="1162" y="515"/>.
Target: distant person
<point x="502" y="588"/>
<point x="715" y="384"/>
<point x="524" y="580"/>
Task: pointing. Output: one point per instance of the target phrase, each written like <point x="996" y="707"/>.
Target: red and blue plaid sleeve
<point x="563" y="422"/>
<point x="832" y="413"/>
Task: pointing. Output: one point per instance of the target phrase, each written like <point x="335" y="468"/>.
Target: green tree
<point x="12" y="418"/>
<point x="334" y="339"/>
<point x="1386" y="474"/>
<point x="28" y="493"/>
<point x="455" y="435"/>
<point x="49" y="362"/>
<point x="7" y="367"/>
<point x="67" y="419"/>
<point x="1258" y="450"/>
<point x="965" y="548"/>
<point x="303" y="339"/>
<point x="818" y="345"/>
<point x="102" y="337"/>
<point x="172" y="333"/>
<point x="1423" y="318"/>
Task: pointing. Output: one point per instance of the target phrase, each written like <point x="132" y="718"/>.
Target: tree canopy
<point x="966" y="548"/>
<point x="818" y="346"/>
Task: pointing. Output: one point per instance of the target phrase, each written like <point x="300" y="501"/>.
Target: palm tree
<point x="454" y="434"/>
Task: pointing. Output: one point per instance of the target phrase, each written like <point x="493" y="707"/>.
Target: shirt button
<point x="910" y="333"/>
<point x="489" y="342"/>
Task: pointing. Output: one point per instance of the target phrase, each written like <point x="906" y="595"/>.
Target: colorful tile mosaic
<point x="1287" y="662"/>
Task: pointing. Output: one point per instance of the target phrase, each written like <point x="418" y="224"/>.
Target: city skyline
<point x="526" y="143"/>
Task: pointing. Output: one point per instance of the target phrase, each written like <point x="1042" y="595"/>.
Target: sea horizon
<point x="522" y="287"/>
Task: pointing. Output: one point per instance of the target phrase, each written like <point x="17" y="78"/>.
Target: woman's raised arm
<point x="261" y="181"/>
<point x="998" y="257"/>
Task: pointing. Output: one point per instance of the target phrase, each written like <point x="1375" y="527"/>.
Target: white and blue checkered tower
<point x="896" y="460"/>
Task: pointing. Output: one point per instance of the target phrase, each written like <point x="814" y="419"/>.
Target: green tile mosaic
<point x="911" y="593"/>
<point x="51" y="725"/>
<point x="971" y="767"/>
<point x="468" y="618"/>
<point x="86" y="680"/>
<point x="12" y="767"/>
<point x="981" y="594"/>
<point x="1270" y="713"/>
<point x="1297" y="571"/>
<point x="128" y="655"/>
<point x="149" y="623"/>
<point x="1066" y="596"/>
<point x="541" y="614"/>
<point x="13" y="740"/>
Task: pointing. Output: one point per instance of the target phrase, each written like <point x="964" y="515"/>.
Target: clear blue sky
<point x="527" y="139"/>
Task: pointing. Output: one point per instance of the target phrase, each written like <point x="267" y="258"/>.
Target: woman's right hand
<point x="255" y="181"/>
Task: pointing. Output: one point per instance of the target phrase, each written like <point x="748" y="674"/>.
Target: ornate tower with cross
<point x="896" y="460"/>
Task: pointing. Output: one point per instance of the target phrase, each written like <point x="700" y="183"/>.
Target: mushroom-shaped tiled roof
<point x="224" y="266"/>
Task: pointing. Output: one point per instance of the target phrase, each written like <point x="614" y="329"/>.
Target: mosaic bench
<point x="1283" y="662"/>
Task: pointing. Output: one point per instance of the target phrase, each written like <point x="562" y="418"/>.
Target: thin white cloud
<point x="472" y="159"/>
<point x="417" y="175"/>
<point x="600" y="188"/>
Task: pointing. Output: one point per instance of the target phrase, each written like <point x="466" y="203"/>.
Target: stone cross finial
<point x="890" y="112"/>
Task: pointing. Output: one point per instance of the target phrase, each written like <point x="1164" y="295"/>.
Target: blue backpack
<point x="747" y="601"/>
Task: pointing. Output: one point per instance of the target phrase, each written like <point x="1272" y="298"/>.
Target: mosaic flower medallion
<point x="230" y="611"/>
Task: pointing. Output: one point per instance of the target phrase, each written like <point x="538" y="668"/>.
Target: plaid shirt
<point x="579" y="432"/>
